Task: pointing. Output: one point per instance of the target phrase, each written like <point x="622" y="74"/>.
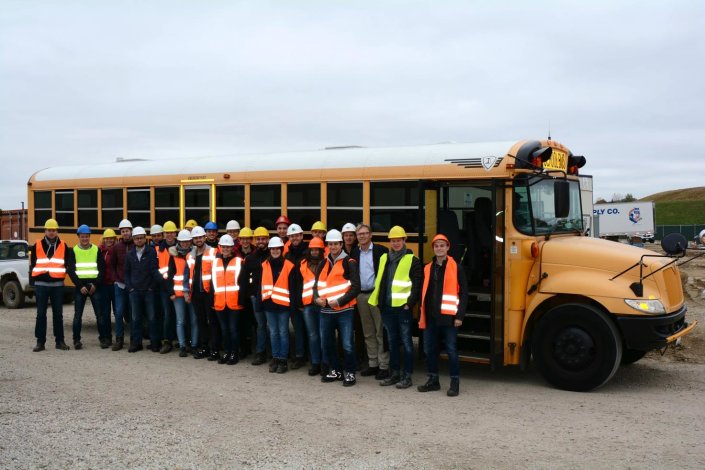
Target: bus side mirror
<point x="561" y="198"/>
<point x="674" y="244"/>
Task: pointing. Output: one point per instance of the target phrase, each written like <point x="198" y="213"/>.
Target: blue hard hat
<point x="211" y="226"/>
<point x="83" y="229"/>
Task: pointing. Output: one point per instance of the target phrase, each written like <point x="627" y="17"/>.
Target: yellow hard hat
<point x="109" y="233"/>
<point x="318" y="225"/>
<point x="246" y="232"/>
<point x="51" y="223"/>
<point x="190" y="223"/>
<point x="397" y="232"/>
<point x="170" y="226"/>
<point x="260" y="232"/>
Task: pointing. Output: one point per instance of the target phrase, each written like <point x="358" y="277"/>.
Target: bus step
<point x="484" y="337"/>
<point x="481" y="296"/>
<point x="477" y="358"/>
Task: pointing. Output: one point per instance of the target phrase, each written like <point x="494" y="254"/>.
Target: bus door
<point x="470" y="214"/>
<point x="197" y="203"/>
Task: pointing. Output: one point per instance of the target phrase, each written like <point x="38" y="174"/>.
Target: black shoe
<point x="332" y="376"/>
<point x="233" y="359"/>
<point x="154" y="348"/>
<point x="273" y="364"/>
<point x="259" y="359"/>
<point x="454" y="388"/>
<point x="134" y="348"/>
<point x="405" y="382"/>
<point x="349" y="379"/>
<point x="182" y="352"/>
<point x="431" y="385"/>
<point x="298" y="363"/>
<point x="213" y="356"/>
<point x="382" y="374"/>
<point x="391" y="380"/>
<point x="369" y="371"/>
<point x="223" y="359"/>
<point x="283" y="366"/>
<point x="199" y="354"/>
<point x="314" y="370"/>
<point x="324" y="370"/>
<point x="62" y="346"/>
<point x="104" y="344"/>
<point x="118" y="343"/>
<point x="166" y="347"/>
<point x="77" y="345"/>
<point x="38" y="347"/>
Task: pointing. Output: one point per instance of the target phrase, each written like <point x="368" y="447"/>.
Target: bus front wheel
<point x="576" y="347"/>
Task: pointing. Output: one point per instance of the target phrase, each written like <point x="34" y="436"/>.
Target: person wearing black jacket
<point x="297" y="250"/>
<point x="397" y="291"/>
<point x="443" y="304"/>
<point x="367" y="255"/>
<point x="251" y="287"/>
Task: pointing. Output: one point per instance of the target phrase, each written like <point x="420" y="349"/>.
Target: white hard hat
<point x="294" y="229"/>
<point x="275" y="242"/>
<point x="156" y="228"/>
<point x="124" y="223"/>
<point x="184" y="236"/>
<point x="226" y="240"/>
<point x="348" y="228"/>
<point x="138" y="231"/>
<point x="334" y="236"/>
<point x="198" y="231"/>
<point x="232" y="225"/>
<point x="702" y="234"/>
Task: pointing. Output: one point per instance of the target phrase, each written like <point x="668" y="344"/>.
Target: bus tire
<point x="12" y="295"/>
<point x="576" y="347"/>
<point x="630" y="356"/>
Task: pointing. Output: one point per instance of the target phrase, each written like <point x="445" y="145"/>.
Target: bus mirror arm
<point x="535" y="286"/>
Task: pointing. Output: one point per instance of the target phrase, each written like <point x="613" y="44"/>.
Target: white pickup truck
<point x="14" y="272"/>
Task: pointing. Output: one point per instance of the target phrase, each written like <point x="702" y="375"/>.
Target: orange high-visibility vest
<point x="309" y="281"/>
<point x="54" y="265"/>
<point x="163" y="258"/>
<point x="278" y="291"/>
<point x="180" y="264"/>
<point x="336" y="285"/>
<point x="225" y="287"/>
<point x="449" y="299"/>
<point x="287" y="246"/>
<point x="206" y="267"/>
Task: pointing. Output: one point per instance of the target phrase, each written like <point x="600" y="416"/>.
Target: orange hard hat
<point x="282" y="220"/>
<point x="440" y="236"/>
<point x="316" y="243"/>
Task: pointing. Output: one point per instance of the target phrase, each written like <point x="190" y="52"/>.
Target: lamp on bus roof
<point x="575" y="162"/>
<point x="538" y="157"/>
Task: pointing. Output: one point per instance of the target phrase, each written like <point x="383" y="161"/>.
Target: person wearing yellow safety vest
<point x="226" y="298"/>
<point x="47" y="269"/>
<point x="168" y="312"/>
<point x="106" y="289"/>
<point x="443" y="303"/>
<point x="178" y="288"/>
<point x="252" y="274"/>
<point x="200" y="262"/>
<point x="277" y="281"/>
<point x="337" y="301"/>
<point x="397" y="291"/>
<point x="87" y="275"/>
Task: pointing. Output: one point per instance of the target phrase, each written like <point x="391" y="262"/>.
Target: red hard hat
<point x="440" y="236"/>
<point x="316" y="243"/>
<point x="282" y="220"/>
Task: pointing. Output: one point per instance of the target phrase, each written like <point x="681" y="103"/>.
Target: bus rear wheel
<point x="576" y="347"/>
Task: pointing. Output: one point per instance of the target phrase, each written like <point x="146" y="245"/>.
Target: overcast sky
<point x="619" y="82"/>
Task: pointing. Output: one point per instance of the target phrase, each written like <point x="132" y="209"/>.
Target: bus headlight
<point x="652" y="306"/>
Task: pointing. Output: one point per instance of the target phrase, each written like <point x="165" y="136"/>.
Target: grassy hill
<point x="680" y="206"/>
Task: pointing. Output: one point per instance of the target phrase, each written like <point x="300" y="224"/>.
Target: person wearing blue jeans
<point x="117" y="258"/>
<point x="343" y="322"/>
<point x="398" y="322"/>
<point x="297" y="249"/>
<point x="312" y="318"/>
<point x="250" y="284"/>
<point x="177" y="287"/>
<point x="122" y="308"/>
<point x="278" y="324"/>
<point x="444" y="300"/>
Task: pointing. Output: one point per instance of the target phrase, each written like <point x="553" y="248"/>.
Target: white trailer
<point x="626" y="219"/>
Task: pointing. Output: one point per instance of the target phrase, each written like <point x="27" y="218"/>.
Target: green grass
<point x="680" y="212"/>
<point x="685" y="194"/>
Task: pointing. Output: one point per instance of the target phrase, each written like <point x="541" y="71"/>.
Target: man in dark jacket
<point x="122" y="296"/>
<point x="397" y="291"/>
<point x="297" y="250"/>
<point x="141" y="279"/>
<point x="250" y="285"/>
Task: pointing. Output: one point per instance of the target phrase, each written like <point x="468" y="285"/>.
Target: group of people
<point x="213" y="297"/>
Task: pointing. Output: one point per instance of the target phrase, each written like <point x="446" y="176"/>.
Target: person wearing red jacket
<point x="106" y="289"/>
<point x="122" y="296"/>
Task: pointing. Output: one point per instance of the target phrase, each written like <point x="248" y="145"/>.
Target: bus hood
<point x="586" y="266"/>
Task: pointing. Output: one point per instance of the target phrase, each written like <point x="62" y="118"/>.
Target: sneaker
<point x="273" y="365"/>
<point x="199" y="354"/>
<point x="454" y="388"/>
<point x="382" y="374"/>
<point x="405" y="382"/>
<point x="62" y="346"/>
<point x="233" y="359"/>
<point x="283" y="366"/>
<point x="214" y="356"/>
<point x="166" y="347"/>
<point x="370" y="371"/>
<point x="223" y="359"/>
<point x="314" y="370"/>
<point x="77" y="345"/>
<point x="431" y="385"/>
<point x="393" y="378"/>
<point x="332" y="376"/>
<point x="182" y="352"/>
<point x="38" y="347"/>
<point x="298" y="363"/>
<point x="259" y="359"/>
<point x="349" y="379"/>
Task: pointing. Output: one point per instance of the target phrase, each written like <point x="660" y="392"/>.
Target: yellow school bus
<point x="539" y="287"/>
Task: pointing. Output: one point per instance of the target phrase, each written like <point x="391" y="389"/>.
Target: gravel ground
<point x="98" y="408"/>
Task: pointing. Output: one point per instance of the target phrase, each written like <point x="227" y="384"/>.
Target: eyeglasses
<point x="363" y="233"/>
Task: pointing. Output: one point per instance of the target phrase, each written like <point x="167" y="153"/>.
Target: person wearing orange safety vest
<point x="443" y="303"/>
<point x="337" y="301"/>
<point x="278" y="280"/>
<point x="47" y="269"/>
<point x="309" y="269"/>
<point x="179" y="291"/>
<point x="226" y="297"/>
<point x="200" y="262"/>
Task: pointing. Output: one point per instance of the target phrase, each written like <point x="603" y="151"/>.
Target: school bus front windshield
<point x="535" y="207"/>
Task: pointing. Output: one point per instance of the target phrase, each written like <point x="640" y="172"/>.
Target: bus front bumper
<point x="644" y="333"/>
